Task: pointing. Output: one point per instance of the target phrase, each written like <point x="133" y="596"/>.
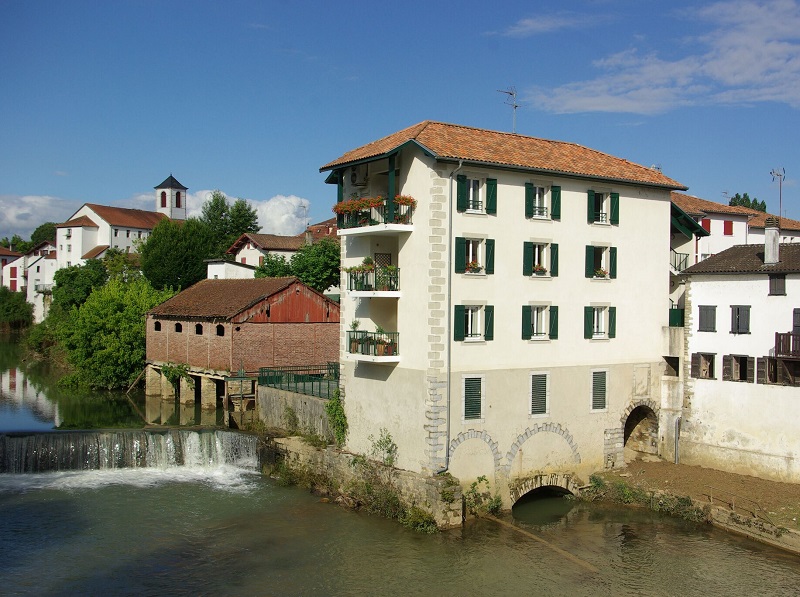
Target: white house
<point x="511" y="319"/>
<point x="15" y="273"/>
<point x="251" y="248"/>
<point x="740" y="408"/>
<point x="6" y="257"/>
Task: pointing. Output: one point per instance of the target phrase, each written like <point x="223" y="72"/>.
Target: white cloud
<point x="23" y="214"/>
<point x="750" y="54"/>
<point x="548" y="24"/>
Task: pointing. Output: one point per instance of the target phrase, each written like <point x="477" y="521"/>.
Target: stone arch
<point x="523" y="486"/>
<point x="481" y="435"/>
<point x="640" y="429"/>
<point x="542" y="428"/>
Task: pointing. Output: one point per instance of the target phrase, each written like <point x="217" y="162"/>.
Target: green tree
<point x="17" y="243"/>
<point x="15" y="311"/>
<point x="105" y="337"/>
<point x="274" y="266"/>
<point x="243" y="218"/>
<point x="173" y="255"/>
<point x="74" y="284"/>
<point x="745" y="201"/>
<point x="46" y="231"/>
<point x="227" y="222"/>
<point x="317" y="265"/>
<point x="121" y="265"/>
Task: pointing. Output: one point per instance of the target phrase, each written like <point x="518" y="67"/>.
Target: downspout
<point x="449" y="326"/>
<point x="677" y="438"/>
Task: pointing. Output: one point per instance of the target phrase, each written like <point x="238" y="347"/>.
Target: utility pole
<point x="511" y="100"/>
<point x="780" y="174"/>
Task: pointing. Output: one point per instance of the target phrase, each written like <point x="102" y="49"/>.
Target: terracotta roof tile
<point x="268" y="242"/>
<point x="695" y="206"/>
<point x="221" y="299"/>
<point x="759" y="219"/>
<point x="747" y="259"/>
<point x="320" y="230"/>
<point x="9" y="253"/>
<point x="128" y="218"/>
<point x="454" y="142"/>
<point x="79" y="222"/>
<point x="92" y="253"/>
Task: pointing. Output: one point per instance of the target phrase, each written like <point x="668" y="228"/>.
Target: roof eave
<point x="333" y="166"/>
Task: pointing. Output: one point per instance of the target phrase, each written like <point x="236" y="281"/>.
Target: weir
<point x="97" y="450"/>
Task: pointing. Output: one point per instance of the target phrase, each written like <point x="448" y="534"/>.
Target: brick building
<point x="217" y="327"/>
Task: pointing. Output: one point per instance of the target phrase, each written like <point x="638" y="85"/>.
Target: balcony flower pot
<point x="539" y="271"/>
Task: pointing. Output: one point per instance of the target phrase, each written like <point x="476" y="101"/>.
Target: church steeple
<point x="171" y="199"/>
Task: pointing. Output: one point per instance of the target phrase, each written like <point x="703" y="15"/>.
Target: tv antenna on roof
<point x="511" y="100"/>
<point x="780" y="174"/>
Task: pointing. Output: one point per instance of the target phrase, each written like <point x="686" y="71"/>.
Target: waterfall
<point x="98" y="450"/>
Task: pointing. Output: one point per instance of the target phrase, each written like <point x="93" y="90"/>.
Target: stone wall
<point x="272" y="405"/>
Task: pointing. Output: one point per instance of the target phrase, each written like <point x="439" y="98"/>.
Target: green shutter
<point x="554" y="259"/>
<point x="461" y="192"/>
<point x="528" y="200"/>
<point x="612" y="262"/>
<point x="472" y="397"/>
<point x="555" y="203"/>
<point x="538" y="394"/>
<point x="527" y="259"/>
<point x="489" y="255"/>
<point x="612" y="322"/>
<point x="527" y="329"/>
<point x="460" y="265"/>
<point x="588" y="322"/>
<point x="598" y="390"/>
<point x="589" y="261"/>
<point x="488" y="333"/>
<point x="614" y="208"/>
<point x="458" y="322"/>
<point x="554" y="322"/>
<point x="491" y="195"/>
<point x="590" y="206"/>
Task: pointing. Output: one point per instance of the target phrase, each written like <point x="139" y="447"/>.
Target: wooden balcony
<point x="787" y="345"/>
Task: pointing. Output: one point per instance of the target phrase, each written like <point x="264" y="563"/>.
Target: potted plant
<point x="354" y="325"/>
<point x="474" y="267"/>
<point x="380" y="342"/>
<point x="539" y="270"/>
<point x="600" y="273"/>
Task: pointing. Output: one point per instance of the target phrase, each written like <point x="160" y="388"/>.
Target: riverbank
<point x="764" y="510"/>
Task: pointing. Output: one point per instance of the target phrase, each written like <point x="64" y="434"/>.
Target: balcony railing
<point x="374" y="344"/>
<point x="43" y="288"/>
<point x="382" y="214"/>
<point x="313" y="380"/>
<point x="679" y="261"/>
<point x="380" y="279"/>
<point x="601" y="216"/>
<point x="539" y="211"/>
<point x="787" y="345"/>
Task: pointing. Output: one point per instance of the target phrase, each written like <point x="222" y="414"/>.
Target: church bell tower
<point x="171" y="199"/>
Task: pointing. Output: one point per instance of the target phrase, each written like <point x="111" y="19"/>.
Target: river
<point x="216" y="528"/>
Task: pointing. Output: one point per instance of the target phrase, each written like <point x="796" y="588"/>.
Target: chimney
<point x="771" y="241"/>
<point x="309" y="237"/>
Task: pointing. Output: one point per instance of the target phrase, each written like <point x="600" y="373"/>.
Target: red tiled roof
<point x="221" y="299"/>
<point x="700" y="207"/>
<point x="454" y="142"/>
<point x="92" y="253"/>
<point x="759" y="220"/>
<point x="749" y="259"/>
<point x="320" y="230"/>
<point x="268" y="242"/>
<point x="9" y="253"/>
<point x="128" y="218"/>
<point x="79" y="222"/>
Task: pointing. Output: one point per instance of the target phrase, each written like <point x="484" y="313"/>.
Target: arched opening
<point x="543" y="506"/>
<point x="198" y="329"/>
<point x="163" y="198"/>
<point x="157" y="326"/>
<point x="178" y="199"/>
<point x="641" y="433"/>
<point x="178" y="328"/>
<point x="220" y="329"/>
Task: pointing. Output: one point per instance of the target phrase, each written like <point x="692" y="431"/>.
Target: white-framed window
<point x="473" y="322"/>
<point x="539" y="258"/>
<point x="540" y="202"/>
<point x="599" y="322"/>
<point x="473" y="248"/>
<point x="473" y="397"/>
<point x="601" y="262"/>
<point x="473" y="255"/>
<point x="540" y="393"/>
<point x="474" y="197"/>
<point x="69" y="248"/>
<point x="599" y="385"/>
<point x="116" y="232"/>
<point x="127" y="234"/>
<point x="473" y="328"/>
<point x="600" y="325"/>
<point x="476" y="194"/>
<point x="601" y="207"/>
<point x="539" y="327"/>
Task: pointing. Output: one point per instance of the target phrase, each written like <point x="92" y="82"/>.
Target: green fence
<point x="313" y="380"/>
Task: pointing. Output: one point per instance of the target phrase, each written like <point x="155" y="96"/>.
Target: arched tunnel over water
<point x="543" y="506"/>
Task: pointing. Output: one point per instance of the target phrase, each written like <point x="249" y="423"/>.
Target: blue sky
<point x="101" y="101"/>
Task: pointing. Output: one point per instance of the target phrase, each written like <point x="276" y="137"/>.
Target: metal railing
<point x="374" y="344"/>
<point x="312" y="380"/>
<point x="539" y="211"/>
<point x="43" y="288"/>
<point x="679" y="261"/>
<point x="402" y="214"/>
<point x="379" y="278"/>
<point x="601" y="216"/>
<point x="757" y="512"/>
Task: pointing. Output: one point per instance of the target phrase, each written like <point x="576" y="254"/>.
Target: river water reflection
<point x="223" y="530"/>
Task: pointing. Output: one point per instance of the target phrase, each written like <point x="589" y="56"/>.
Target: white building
<point x="514" y="322"/>
<point x="15" y="273"/>
<point x="739" y="405"/>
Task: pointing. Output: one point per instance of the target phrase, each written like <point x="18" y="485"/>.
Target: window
<point x="740" y="319"/>
<point x="473" y="322"/>
<point x="777" y="284"/>
<point x="537" y="199"/>
<point x="38" y="269"/>
<point x="727" y="228"/>
<point x="198" y="329"/>
<point x="476" y="196"/>
<point x="703" y="365"/>
<point x="539" y="322"/>
<point x="602" y="208"/>
<point x="472" y="397"/>
<point x="244" y="260"/>
<point x="157" y="326"/>
<point x="539" y="259"/>
<point x="601" y="262"/>
<point x="473" y="255"/>
<point x="737" y="367"/>
<point x="139" y="234"/>
<point x="178" y="199"/>
<point x="178" y="328"/>
<point x="69" y="248"/>
<point x="706" y="224"/>
<point x="220" y="330"/>
<point x="127" y="234"/>
<point x="708" y="318"/>
<point x="599" y="381"/>
<point x="539" y="394"/>
<point x="599" y="322"/>
<point x="163" y="198"/>
<point x="69" y="233"/>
